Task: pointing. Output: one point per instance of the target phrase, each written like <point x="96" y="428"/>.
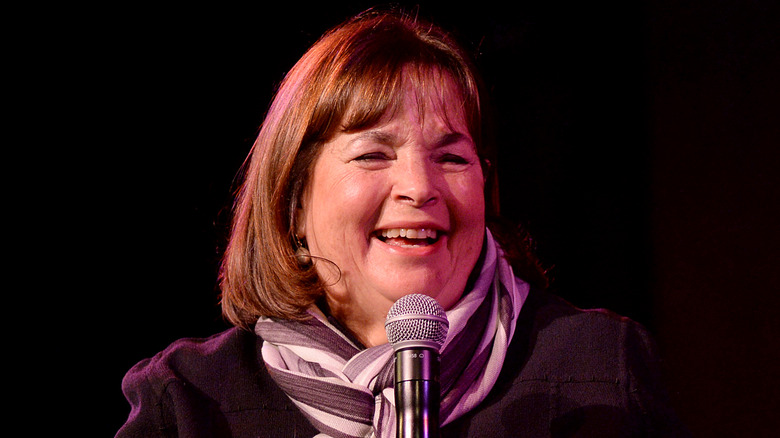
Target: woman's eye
<point x="453" y="158"/>
<point x="373" y="156"/>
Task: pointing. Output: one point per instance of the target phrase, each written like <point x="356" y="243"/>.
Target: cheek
<point x="341" y="206"/>
<point x="470" y="198"/>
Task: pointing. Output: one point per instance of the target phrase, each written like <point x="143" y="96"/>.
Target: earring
<point x="302" y="253"/>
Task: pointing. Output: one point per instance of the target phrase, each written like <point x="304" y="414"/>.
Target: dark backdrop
<point x="638" y="146"/>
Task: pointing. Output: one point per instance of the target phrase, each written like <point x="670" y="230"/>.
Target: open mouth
<point x="408" y="237"/>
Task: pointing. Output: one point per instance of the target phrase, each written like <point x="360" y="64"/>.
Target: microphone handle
<point x="417" y="393"/>
<point x="416" y="414"/>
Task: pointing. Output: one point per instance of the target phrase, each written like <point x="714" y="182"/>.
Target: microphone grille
<point x="416" y="320"/>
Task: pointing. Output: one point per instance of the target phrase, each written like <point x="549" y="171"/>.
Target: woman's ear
<point x="302" y="250"/>
<point x="300" y="223"/>
<point x="487" y="166"/>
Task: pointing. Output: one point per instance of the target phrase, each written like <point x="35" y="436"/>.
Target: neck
<point x="368" y="334"/>
<point x="367" y="327"/>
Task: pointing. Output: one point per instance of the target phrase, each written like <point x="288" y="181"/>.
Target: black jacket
<point x="568" y="372"/>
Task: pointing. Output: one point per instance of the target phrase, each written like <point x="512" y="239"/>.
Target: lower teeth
<point x="407" y="242"/>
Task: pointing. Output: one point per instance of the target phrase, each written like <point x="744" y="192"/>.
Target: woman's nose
<point x="415" y="183"/>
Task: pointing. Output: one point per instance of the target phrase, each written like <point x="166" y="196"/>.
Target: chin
<point x="444" y="295"/>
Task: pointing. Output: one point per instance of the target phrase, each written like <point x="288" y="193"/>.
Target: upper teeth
<point x="410" y="233"/>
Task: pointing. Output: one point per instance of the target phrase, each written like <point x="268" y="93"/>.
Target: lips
<point x="408" y="236"/>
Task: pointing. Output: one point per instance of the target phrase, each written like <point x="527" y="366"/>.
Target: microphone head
<point x="416" y="321"/>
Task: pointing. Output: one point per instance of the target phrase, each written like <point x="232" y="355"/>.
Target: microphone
<point x="417" y="328"/>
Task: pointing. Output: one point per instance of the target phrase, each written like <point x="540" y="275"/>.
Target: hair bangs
<point x="374" y="98"/>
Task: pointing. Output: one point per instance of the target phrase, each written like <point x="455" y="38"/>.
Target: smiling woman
<point x="417" y="169"/>
<point x="340" y="103"/>
<point x="370" y="180"/>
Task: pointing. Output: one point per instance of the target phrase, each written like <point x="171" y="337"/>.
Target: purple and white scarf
<point x="346" y="391"/>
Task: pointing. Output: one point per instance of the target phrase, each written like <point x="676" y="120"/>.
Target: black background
<point x="639" y="146"/>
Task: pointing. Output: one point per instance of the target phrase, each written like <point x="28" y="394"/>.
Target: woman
<point x="372" y="178"/>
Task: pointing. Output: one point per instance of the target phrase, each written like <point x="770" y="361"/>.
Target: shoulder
<point x="559" y="338"/>
<point x="570" y="370"/>
<point x="217" y="386"/>
<point x="188" y="353"/>
<point x="228" y="360"/>
<point x="548" y="309"/>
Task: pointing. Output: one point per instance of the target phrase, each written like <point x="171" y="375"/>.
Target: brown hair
<point x="347" y="80"/>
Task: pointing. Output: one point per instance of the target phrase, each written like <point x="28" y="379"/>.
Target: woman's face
<point x="398" y="207"/>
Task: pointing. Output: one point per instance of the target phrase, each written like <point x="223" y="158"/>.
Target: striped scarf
<point x="346" y="391"/>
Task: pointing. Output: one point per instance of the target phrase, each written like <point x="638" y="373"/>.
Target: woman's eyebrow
<point x="389" y="139"/>
<point x="376" y="136"/>
<point x="451" y="138"/>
